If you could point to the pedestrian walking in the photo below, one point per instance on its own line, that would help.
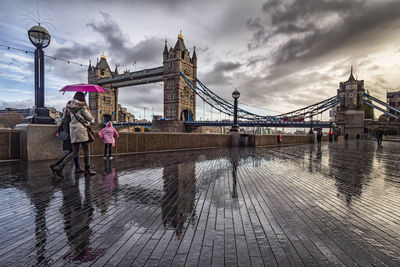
(64, 135)
(330, 136)
(80, 120)
(379, 136)
(108, 134)
(319, 137)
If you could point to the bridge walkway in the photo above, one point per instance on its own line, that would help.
(298, 205)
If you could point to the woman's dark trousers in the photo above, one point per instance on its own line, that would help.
(76, 159)
(75, 153)
(109, 150)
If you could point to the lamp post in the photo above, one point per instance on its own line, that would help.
(40, 38)
(311, 126)
(235, 126)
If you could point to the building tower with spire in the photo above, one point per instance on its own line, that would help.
(350, 115)
(103, 106)
(179, 99)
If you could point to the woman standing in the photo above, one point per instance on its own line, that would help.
(108, 135)
(80, 118)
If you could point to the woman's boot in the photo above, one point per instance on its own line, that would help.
(58, 169)
(88, 171)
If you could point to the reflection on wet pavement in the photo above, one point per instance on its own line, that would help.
(299, 205)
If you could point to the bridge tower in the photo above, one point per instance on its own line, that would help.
(350, 116)
(179, 99)
(103, 106)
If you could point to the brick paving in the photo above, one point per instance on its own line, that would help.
(300, 205)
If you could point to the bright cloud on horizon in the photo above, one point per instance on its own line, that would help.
(282, 55)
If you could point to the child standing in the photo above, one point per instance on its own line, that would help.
(107, 134)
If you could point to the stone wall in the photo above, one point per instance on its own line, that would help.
(9, 144)
(38, 142)
(270, 140)
(150, 142)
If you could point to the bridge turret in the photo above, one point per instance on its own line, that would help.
(350, 116)
(103, 106)
(179, 99)
(194, 61)
(165, 53)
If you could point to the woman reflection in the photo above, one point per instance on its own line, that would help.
(77, 217)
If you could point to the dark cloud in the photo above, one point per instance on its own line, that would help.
(116, 46)
(148, 51)
(220, 73)
(307, 34)
(77, 51)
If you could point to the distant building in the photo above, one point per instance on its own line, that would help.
(24, 112)
(393, 99)
(124, 115)
(157, 117)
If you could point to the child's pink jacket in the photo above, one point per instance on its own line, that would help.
(108, 133)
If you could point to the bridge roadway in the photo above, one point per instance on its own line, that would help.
(292, 124)
(133, 78)
(337, 204)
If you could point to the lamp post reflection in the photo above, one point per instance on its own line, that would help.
(234, 162)
(41, 193)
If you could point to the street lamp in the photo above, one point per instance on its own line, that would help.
(311, 126)
(40, 38)
(235, 126)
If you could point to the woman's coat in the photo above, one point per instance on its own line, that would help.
(77, 130)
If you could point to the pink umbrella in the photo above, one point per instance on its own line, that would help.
(83, 87)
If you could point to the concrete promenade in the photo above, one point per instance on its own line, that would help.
(279, 206)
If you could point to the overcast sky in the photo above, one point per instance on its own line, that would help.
(281, 55)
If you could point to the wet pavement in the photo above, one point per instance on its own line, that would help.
(300, 205)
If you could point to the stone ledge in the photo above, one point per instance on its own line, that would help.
(39, 142)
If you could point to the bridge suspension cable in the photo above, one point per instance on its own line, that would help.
(386, 105)
(226, 107)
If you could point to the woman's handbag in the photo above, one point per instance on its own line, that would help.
(90, 134)
(88, 129)
(63, 136)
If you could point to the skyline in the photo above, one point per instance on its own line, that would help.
(281, 55)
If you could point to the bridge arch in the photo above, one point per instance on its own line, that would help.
(186, 115)
(106, 118)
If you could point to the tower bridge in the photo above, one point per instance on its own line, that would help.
(179, 99)
(181, 86)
